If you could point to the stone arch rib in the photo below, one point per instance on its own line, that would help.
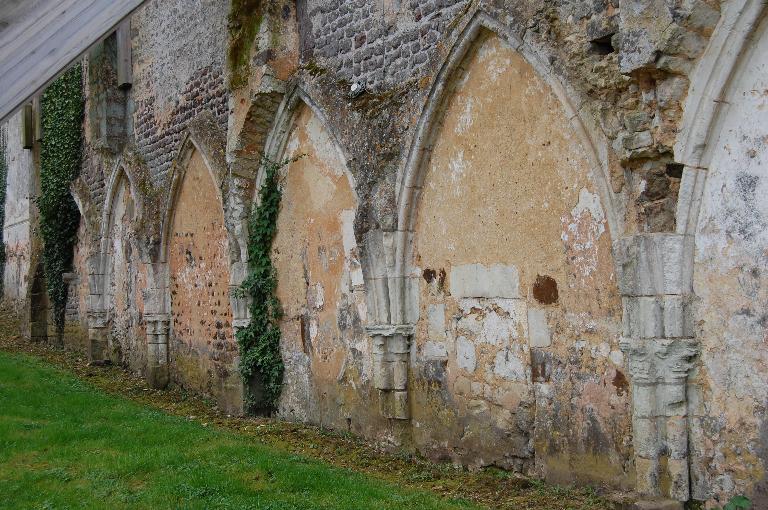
(704, 107)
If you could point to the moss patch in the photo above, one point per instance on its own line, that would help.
(244, 20)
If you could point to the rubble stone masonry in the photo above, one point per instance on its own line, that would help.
(513, 233)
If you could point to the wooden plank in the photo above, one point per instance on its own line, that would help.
(124, 65)
(41, 38)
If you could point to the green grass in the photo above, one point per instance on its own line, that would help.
(64, 444)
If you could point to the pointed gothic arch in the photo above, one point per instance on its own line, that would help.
(403, 316)
(316, 257)
(428, 127)
(295, 98)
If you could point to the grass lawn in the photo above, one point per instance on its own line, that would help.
(65, 444)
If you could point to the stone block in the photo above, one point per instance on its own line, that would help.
(678, 317)
(677, 437)
(466, 356)
(677, 471)
(641, 23)
(382, 373)
(671, 399)
(436, 322)
(476, 280)
(508, 365)
(435, 351)
(400, 405)
(538, 329)
(651, 264)
(637, 140)
(643, 317)
(400, 375)
(637, 121)
(647, 470)
(644, 401)
(645, 437)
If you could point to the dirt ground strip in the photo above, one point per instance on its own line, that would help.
(493, 488)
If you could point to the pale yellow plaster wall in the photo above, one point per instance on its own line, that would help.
(509, 185)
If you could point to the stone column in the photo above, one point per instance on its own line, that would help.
(158, 326)
(96, 309)
(391, 348)
(659, 345)
(158, 322)
(233, 386)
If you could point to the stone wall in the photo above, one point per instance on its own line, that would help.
(19, 216)
(530, 235)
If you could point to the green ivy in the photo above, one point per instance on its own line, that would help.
(259, 342)
(60, 159)
(737, 503)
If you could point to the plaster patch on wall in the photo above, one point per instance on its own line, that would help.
(465, 120)
(324, 147)
(466, 357)
(582, 231)
(508, 364)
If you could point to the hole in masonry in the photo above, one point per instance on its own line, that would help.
(675, 170)
(602, 45)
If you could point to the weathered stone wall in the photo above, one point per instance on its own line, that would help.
(493, 254)
(179, 48)
(19, 220)
(202, 348)
(729, 389)
(519, 310)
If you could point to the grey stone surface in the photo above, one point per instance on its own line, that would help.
(479, 281)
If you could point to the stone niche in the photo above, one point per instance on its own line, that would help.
(320, 280)
(516, 359)
(124, 280)
(202, 348)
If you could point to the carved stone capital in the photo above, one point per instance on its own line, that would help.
(659, 360)
(391, 350)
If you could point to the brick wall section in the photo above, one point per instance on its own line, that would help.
(370, 42)
(158, 143)
(179, 52)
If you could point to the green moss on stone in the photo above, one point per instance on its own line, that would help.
(245, 19)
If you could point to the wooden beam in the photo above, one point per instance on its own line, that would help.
(39, 39)
(124, 69)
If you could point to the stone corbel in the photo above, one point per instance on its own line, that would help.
(391, 347)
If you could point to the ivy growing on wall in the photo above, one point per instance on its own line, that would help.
(60, 158)
(259, 342)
